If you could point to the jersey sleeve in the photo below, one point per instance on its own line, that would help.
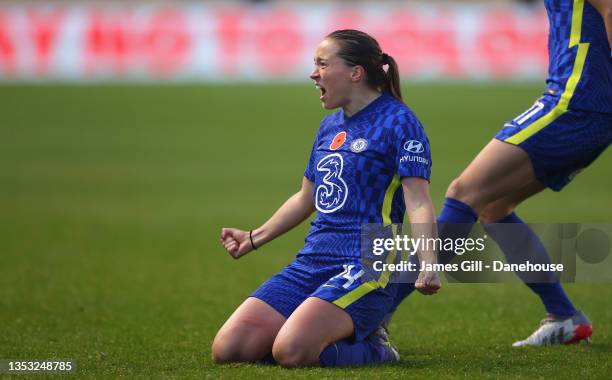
(412, 150)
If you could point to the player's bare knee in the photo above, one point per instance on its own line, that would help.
(467, 193)
(494, 212)
(228, 346)
(224, 351)
(291, 354)
(487, 217)
(458, 189)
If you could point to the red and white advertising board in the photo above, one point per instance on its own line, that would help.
(217, 43)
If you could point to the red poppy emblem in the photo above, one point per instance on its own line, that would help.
(338, 141)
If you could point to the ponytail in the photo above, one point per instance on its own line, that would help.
(392, 79)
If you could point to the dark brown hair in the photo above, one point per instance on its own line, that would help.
(359, 48)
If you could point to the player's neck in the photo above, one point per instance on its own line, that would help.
(359, 101)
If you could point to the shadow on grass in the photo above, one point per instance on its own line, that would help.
(605, 348)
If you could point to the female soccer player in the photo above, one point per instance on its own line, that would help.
(546, 146)
(369, 164)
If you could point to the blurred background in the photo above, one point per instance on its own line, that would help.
(263, 41)
(131, 132)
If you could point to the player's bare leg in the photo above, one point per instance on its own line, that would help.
(314, 325)
(248, 334)
(477, 185)
(552, 329)
(498, 170)
(503, 207)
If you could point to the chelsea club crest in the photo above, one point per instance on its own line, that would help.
(359, 145)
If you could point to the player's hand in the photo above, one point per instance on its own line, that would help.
(428, 283)
(236, 242)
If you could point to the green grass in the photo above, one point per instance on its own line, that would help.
(112, 198)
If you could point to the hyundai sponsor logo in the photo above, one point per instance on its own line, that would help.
(414, 146)
(418, 159)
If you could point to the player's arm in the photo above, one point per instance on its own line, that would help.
(423, 223)
(293, 212)
(604, 7)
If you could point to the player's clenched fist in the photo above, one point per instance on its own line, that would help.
(428, 283)
(236, 242)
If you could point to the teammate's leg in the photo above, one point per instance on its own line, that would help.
(519, 244)
(499, 169)
(501, 208)
(483, 187)
(564, 323)
(248, 334)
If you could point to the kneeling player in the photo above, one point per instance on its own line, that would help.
(319, 310)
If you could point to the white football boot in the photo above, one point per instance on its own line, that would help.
(560, 331)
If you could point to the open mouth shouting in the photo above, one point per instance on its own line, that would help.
(322, 90)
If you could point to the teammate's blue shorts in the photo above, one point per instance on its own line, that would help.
(559, 142)
(334, 279)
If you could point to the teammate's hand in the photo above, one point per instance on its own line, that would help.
(428, 283)
(236, 242)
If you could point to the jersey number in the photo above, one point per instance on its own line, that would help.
(332, 193)
(537, 107)
(350, 278)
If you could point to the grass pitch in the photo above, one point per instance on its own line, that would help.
(112, 199)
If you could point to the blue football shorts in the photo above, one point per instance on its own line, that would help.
(560, 142)
(339, 280)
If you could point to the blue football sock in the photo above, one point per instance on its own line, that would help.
(455, 221)
(455, 211)
(345, 354)
(268, 360)
(519, 244)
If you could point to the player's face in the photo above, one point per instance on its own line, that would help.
(332, 76)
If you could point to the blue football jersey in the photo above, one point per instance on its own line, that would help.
(356, 165)
(580, 66)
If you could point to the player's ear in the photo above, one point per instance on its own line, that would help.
(358, 73)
